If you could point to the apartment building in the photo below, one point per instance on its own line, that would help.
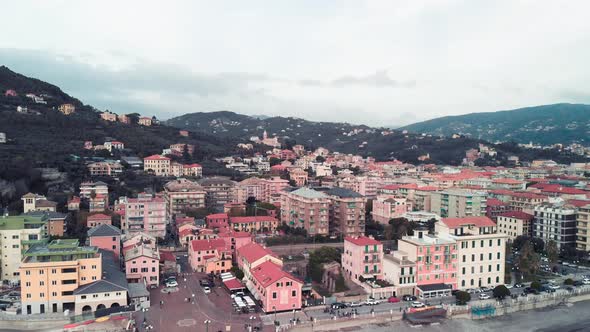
(346, 213)
(276, 289)
(583, 228)
(258, 224)
(436, 262)
(97, 219)
(306, 208)
(66, 109)
(253, 254)
(387, 207)
(481, 250)
(458, 203)
(50, 273)
(400, 271)
(183, 195)
(142, 264)
(17, 235)
(264, 190)
(362, 257)
(56, 221)
(144, 214)
(515, 224)
(526, 201)
(219, 192)
(157, 164)
(210, 256)
(106, 237)
(34, 202)
(555, 222)
(105, 168)
(495, 207)
(89, 189)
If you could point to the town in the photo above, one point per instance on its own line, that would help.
(298, 238)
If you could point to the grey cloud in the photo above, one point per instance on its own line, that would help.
(378, 79)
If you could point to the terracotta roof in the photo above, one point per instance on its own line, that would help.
(495, 202)
(99, 216)
(268, 273)
(477, 221)
(167, 256)
(185, 232)
(210, 244)
(362, 241)
(253, 252)
(578, 202)
(391, 187)
(528, 195)
(217, 216)
(517, 215)
(156, 157)
(191, 166)
(241, 220)
(233, 284)
(501, 192)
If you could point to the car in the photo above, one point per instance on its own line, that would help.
(206, 289)
(355, 304)
(418, 304)
(471, 291)
(371, 302)
(554, 286)
(510, 286)
(578, 283)
(204, 282)
(569, 288)
(171, 283)
(484, 296)
(393, 299)
(487, 289)
(547, 290)
(586, 281)
(409, 298)
(518, 285)
(338, 305)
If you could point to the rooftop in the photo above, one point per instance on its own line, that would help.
(22, 222)
(59, 251)
(308, 193)
(104, 230)
(517, 215)
(465, 221)
(362, 241)
(254, 251)
(340, 192)
(268, 273)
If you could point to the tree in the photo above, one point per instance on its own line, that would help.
(320, 159)
(317, 258)
(568, 281)
(462, 297)
(536, 285)
(237, 272)
(552, 252)
(529, 260)
(274, 161)
(501, 291)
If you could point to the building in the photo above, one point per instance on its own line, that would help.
(481, 250)
(98, 203)
(67, 109)
(108, 116)
(51, 273)
(362, 259)
(387, 207)
(145, 121)
(210, 256)
(218, 221)
(264, 190)
(74, 204)
(525, 201)
(346, 212)
(400, 271)
(495, 207)
(98, 219)
(219, 192)
(298, 176)
(159, 165)
(106, 237)
(436, 262)
(145, 214)
(17, 235)
(87, 189)
(105, 168)
(583, 228)
(555, 222)
(306, 208)
(515, 224)
(458, 203)
(35, 202)
(114, 145)
(56, 221)
(254, 224)
(124, 119)
(194, 170)
(183, 195)
(276, 289)
(253, 254)
(142, 265)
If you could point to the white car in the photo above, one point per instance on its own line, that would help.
(355, 304)
(484, 296)
(371, 302)
(553, 286)
(171, 283)
(586, 281)
(418, 304)
(207, 290)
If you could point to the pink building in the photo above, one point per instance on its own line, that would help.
(387, 207)
(236, 240)
(98, 219)
(275, 288)
(106, 237)
(306, 208)
(252, 255)
(218, 220)
(142, 265)
(10, 93)
(210, 256)
(362, 257)
(436, 262)
(145, 214)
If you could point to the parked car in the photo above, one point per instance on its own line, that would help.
(371, 302)
(586, 281)
(204, 282)
(355, 304)
(418, 304)
(171, 283)
(484, 296)
(409, 298)
(554, 286)
(338, 305)
(393, 299)
(206, 289)
(518, 285)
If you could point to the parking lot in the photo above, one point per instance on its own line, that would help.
(178, 314)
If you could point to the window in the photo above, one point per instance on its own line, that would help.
(274, 295)
(93, 277)
(41, 294)
(53, 293)
(83, 297)
(41, 271)
(28, 296)
(94, 267)
(28, 284)
(41, 283)
(481, 257)
(53, 271)
(463, 270)
(294, 293)
(28, 272)
(53, 282)
(133, 270)
(83, 267)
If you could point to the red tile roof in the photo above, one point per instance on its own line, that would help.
(501, 192)
(268, 273)
(167, 256)
(428, 188)
(555, 188)
(477, 221)
(578, 202)
(362, 241)
(99, 216)
(191, 166)
(241, 220)
(217, 216)
(210, 244)
(233, 284)
(391, 187)
(156, 157)
(528, 195)
(495, 202)
(517, 215)
(253, 252)
(185, 232)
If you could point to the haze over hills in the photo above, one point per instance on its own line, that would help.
(547, 124)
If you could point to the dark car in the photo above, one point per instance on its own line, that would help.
(338, 305)
(409, 298)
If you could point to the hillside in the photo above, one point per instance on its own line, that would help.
(381, 143)
(548, 124)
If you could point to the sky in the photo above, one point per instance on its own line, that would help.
(381, 63)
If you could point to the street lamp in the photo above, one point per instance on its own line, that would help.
(207, 322)
(275, 310)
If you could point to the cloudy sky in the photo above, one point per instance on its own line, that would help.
(385, 63)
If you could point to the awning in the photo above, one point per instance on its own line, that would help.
(233, 284)
(434, 287)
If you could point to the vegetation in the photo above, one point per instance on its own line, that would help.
(529, 260)
(462, 297)
(237, 272)
(568, 281)
(501, 291)
(536, 285)
(319, 257)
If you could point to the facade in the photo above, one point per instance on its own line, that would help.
(98, 219)
(157, 164)
(56, 221)
(515, 224)
(210, 256)
(526, 201)
(387, 207)
(347, 212)
(34, 202)
(142, 265)
(105, 169)
(583, 228)
(145, 214)
(254, 224)
(51, 273)
(183, 195)
(108, 116)
(17, 235)
(400, 271)
(495, 207)
(276, 289)
(306, 208)
(66, 109)
(219, 192)
(145, 121)
(555, 222)
(458, 203)
(253, 254)
(481, 250)
(362, 257)
(218, 221)
(261, 189)
(106, 237)
(98, 188)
